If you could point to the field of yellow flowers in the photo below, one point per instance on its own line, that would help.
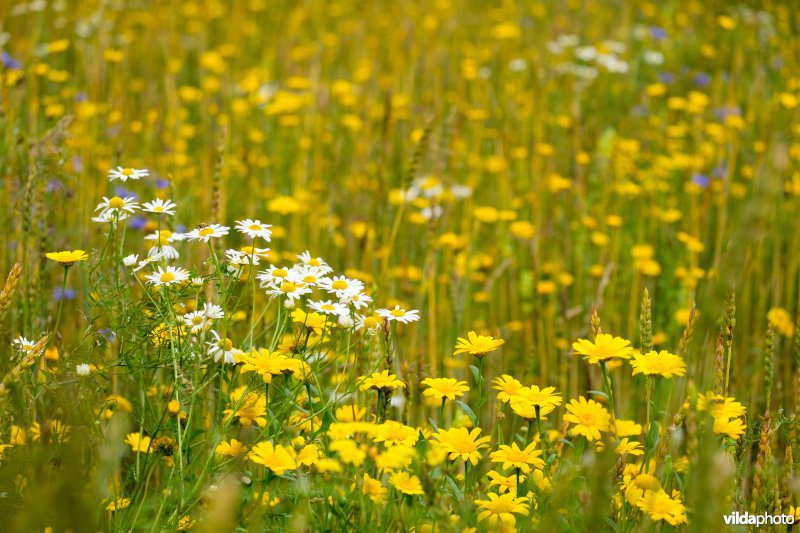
(350, 265)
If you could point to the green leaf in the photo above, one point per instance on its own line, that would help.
(476, 374)
(454, 488)
(470, 413)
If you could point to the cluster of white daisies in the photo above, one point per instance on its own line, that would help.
(341, 298)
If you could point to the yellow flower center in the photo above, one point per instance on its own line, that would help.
(398, 312)
(280, 273)
(197, 320)
(166, 277)
(328, 307)
(158, 209)
(127, 171)
(116, 202)
(313, 262)
(254, 227)
(339, 285)
(288, 286)
(309, 279)
(370, 322)
(227, 345)
(206, 231)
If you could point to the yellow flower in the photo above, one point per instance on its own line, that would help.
(504, 483)
(627, 428)
(308, 455)
(660, 506)
(501, 508)
(119, 503)
(406, 484)
(266, 364)
(461, 443)
(380, 381)
(477, 345)
(276, 458)
(521, 459)
(68, 258)
(589, 417)
(546, 397)
(635, 487)
(441, 388)
(374, 489)
(731, 427)
(234, 448)
(603, 348)
(629, 447)
(247, 407)
(507, 387)
(393, 433)
(662, 364)
(138, 442)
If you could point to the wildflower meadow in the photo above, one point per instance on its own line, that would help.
(363, 265)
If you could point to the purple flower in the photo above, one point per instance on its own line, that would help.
(69, 294)
(161, 183)
(137, 223)
(10, 62)
(701, 79)
(701, 180)
(658, 33)
(666, 77)
(77, 164)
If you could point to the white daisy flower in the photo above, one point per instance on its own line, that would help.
(213, 311)
(117, 206)
(170, 276)
(254, 228)
(328, 307)
(147, 260)
(370, 324)
(207, 231)
(273, 275)
(399, 314)
(358, 300)
(341, 286)
(306, 258)
(160, 207)
(83, 369)
(130, 260)
(22, 344)
(124, 174)
(292, 291)
(197, 321)
(307, 274)
(238, 260)
(165, 251)
(346, 321)
(222, 349)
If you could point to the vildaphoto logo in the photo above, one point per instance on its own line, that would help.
(747, 519)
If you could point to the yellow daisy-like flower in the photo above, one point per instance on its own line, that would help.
(629, 447)
(662, 364)
(627, 428)
(266, 364)
(521, 459)
(380, 381)
(603, 348)
(477, 345)
(501, 508)
(444, 388)
(590, 418)
(406, 484)
(276, 458)
(504, 483)
(374, 489)
(234, 448)
(68, 258)
(731, 427)
(540, 397)
(635, 486)
(393, 433)
(660, 506)
(138, 442)
(461, 443)
(507, 387)
(247, 407)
